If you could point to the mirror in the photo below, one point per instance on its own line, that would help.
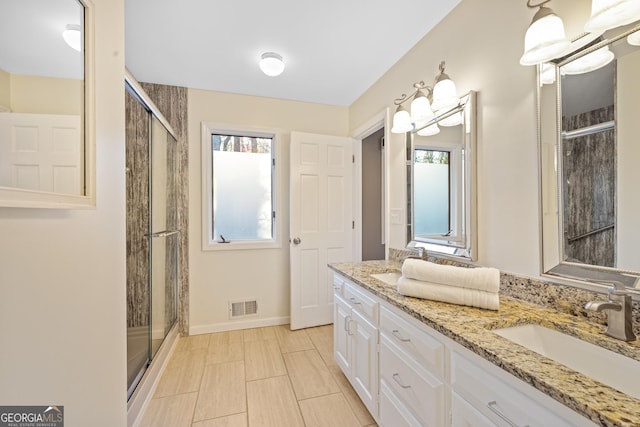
(441, 182)
(589, 148)
(46, 114)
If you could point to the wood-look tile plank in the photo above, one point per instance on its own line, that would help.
(309, 375)
(291, 341)
(236, 420)
(271, 403)
(222, 391)
(226, 347)
(183, 373)
(263, 359)
(170, 411)
(361, 412)
(259, 334)
(193, 342)
(322, 339)
(328, 411)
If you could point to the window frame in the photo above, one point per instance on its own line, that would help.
(208, 242)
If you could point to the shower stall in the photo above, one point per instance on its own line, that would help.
(152, 232)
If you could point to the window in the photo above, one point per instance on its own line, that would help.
(239, 209)
(432, 192)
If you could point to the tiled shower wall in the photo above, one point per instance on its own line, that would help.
(589, 177)
(172, 103)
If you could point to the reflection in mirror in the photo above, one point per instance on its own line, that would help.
(588, 158)
(441, 183)
(44, 151)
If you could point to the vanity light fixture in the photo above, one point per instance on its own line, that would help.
(547, 73)
(72, 35)
(545, 38)
(634, 38)
(589, 62)
(271, 64)
(423, 110)
(607, 14)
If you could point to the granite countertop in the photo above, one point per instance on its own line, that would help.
(471, 327)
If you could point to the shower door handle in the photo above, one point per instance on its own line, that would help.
(165, 233)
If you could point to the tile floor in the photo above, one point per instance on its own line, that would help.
(264, 377)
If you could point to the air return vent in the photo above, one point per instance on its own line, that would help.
(243, 308)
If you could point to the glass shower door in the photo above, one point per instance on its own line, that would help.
(163, 234)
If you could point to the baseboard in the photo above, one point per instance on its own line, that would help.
(238, 324)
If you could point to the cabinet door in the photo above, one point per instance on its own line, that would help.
(365, 361)
(341, 337)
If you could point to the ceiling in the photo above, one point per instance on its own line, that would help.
(334, 50)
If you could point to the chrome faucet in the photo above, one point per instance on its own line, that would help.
(619, 319)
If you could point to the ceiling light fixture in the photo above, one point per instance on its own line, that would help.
(545, 38)
(72, 35)
(426, 103)
(271, 64)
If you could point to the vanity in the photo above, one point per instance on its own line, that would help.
(418, 362)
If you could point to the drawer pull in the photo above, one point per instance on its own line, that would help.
(493, 406)
(396, 334)
(396, 378)
(346, 323)
(354, 301)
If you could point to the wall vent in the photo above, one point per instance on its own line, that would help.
(243, 308)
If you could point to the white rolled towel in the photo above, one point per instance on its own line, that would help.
(481, 278)
(450, 294)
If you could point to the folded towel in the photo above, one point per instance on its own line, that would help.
(450, 294)
(481, 278)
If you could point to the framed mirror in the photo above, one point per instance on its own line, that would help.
(46, 104)
(441, 182)
(588, 150)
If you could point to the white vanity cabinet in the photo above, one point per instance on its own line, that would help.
(409, 375)
(412, 372)
(356, 340)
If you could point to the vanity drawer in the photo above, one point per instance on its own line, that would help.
(338, 284)
(496, 399)
(392, 412)
(361, 302)
(423, 393)
(465, 415)
(428, 351)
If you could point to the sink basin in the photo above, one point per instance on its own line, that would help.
(389, 278)
(603, 365)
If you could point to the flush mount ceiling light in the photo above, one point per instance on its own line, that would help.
(589, 62)
(545, 38)
(426, 103)
(607, 14)
(72, 35)
(271, 64)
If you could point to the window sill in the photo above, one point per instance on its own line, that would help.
(241, 245)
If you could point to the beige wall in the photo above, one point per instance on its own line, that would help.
(62, 274)
(5, 91)
(481, 43)
(217, 277)
(46, 95)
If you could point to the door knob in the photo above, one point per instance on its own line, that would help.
(296, 240)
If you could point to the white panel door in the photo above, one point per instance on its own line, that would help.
(41, 152)
(321, 218)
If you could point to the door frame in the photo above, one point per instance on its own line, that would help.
(373, 124)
